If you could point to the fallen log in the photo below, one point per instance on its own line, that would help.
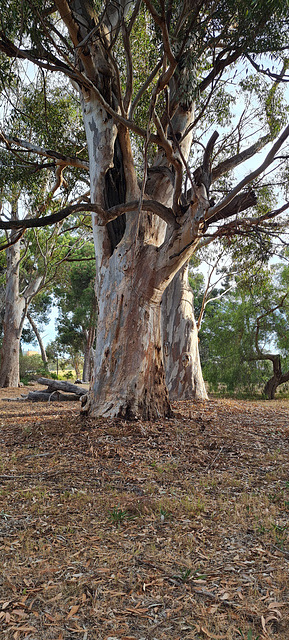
(54, 392)
(61, 385)
(51, 396)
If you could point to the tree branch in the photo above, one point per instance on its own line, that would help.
(153, 206)
(144, 87)
(166, 213)
(250, 177)
(29, 223)
(241, 202)
(279, 77)
(82, 80)
(219, 66)
(12, 241)
(238, 158)
(240, 225)
(59, 158)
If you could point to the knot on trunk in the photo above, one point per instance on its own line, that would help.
(85, 401)
(186, 359)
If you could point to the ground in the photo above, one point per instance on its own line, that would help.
(170, 530)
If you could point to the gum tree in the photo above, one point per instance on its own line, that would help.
(77, 305)
(35, 259)
(245, 333)
(33, 265)
(146, 230)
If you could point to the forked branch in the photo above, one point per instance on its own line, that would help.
(212, 211)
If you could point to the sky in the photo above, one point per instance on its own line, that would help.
(47, 335)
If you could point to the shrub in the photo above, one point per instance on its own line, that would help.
(31, 367)
(68, 375)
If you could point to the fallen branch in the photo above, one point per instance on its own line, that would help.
(52, 396)
(61, 385)
(53, 392)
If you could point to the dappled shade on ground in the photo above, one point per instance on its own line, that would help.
(130, 530)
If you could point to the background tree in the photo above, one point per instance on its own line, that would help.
(244, 336)
(144, 234)
(76, 301)
(33, 261)
(34, 264)
(38, 317)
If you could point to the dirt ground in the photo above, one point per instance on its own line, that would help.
(115, 530)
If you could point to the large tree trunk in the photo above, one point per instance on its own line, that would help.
(180, 341)
(129, 378)
(13, 321)
(135, 257)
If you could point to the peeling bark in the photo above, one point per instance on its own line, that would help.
(133, 269)
(137, 255)
(129, 379)
(180, 341)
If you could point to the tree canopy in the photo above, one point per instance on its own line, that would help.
(244, 333)
(206, 56)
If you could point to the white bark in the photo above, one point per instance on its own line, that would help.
(180, 341)
(16, 307)
(129, 376)
(13, 321)
(129, 379)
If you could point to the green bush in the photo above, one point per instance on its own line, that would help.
(31, 367)
(68, 375)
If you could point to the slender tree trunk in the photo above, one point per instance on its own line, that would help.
(86, 373)
(180, 341)
(16, 307)
(88, 355)
(13, 321)
(76, 366)
(39, 340)
(89, 341)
